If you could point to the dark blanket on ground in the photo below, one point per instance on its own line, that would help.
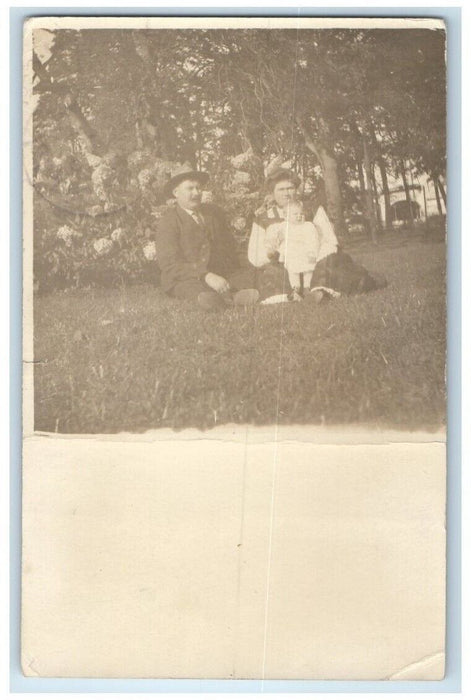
(341, 273)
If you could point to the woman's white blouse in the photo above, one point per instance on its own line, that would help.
(257, 251)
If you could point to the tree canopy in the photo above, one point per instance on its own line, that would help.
(117, 108)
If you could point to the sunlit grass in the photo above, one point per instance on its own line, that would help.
(132, 359)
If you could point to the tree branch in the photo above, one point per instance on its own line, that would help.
(309, 141)
(77, 118)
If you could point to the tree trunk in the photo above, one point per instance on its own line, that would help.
(303, 170)
(82, 127)
(150, 134)
(442, 190)
(328, 164)
(437, 197)
(370, 208)
(386, 193)
(375, 197)
(79, 122)
(255, 138)
(361, 179)
(384, 178)
(410, 216)
(273, 165)
(332, 191)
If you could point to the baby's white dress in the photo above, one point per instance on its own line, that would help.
(298, 244)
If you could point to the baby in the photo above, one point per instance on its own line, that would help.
(295, 242)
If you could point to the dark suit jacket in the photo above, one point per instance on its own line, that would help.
(186, 250)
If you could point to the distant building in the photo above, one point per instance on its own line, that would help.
(423, 200)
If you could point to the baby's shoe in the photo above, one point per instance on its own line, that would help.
(295, 294)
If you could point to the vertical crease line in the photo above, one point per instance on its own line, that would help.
(240, 543)
(275, 453)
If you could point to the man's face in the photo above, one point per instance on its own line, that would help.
(188, 194)
(284, 192)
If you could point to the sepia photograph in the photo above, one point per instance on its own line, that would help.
(234, 457)
(238, 226)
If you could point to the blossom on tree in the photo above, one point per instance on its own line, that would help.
(144, 178)
(118, 235)
(103, 246)
(149, 251)
(67, 234)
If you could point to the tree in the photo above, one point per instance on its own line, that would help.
(318, 98)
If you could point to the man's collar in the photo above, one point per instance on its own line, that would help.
(191, 212)
(196, 215)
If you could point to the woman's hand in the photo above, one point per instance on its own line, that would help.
(273, 255)
(216, 282)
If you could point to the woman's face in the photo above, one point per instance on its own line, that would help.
(284, 192)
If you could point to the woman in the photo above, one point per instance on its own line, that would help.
(335, 272)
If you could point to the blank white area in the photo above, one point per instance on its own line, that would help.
(152, 560)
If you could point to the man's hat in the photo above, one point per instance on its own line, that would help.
(279, 175)
(182, 173)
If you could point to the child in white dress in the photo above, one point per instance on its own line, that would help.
(296, 243)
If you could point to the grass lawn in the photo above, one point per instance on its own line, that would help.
(132, 359)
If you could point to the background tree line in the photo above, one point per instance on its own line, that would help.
(116, 109)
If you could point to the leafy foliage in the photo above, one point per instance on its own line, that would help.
(116, 111)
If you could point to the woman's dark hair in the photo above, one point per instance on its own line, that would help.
(280, 175)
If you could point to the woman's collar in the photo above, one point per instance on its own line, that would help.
(275, 212)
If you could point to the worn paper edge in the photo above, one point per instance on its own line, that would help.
(236, 22)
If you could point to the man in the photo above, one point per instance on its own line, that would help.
(196, 252)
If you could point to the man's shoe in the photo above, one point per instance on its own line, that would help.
(381, 281)
(246, 297)
(210, 301)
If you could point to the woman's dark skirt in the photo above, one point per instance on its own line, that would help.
(340, 273)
